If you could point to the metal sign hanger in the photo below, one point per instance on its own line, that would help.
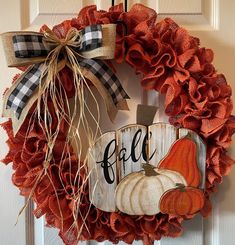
(125, 4)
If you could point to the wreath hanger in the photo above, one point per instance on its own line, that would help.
(125, 4)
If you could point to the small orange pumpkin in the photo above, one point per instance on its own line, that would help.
(182, 201)
(182, 158)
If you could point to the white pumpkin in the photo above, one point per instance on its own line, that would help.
(139, 193)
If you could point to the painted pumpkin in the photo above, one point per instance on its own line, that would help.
(139, 193)
(182, 158)
(182, 201)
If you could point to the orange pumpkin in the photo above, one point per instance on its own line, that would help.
(182, 201)
(182, 158)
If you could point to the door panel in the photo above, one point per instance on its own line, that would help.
(11, 202)
(208, 19)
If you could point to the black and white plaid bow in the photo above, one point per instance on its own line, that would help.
(31, 46)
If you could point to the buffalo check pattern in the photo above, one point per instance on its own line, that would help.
(107, 77)
(28, 46)
(25, 88)
(91, 38)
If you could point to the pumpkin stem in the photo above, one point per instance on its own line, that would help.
(189, 136)
(149, 170)
(180, 186)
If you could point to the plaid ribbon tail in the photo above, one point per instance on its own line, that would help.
(27, 84)
(109, 81)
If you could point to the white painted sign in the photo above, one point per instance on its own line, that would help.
(117, 154)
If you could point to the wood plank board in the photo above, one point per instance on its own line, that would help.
(161, 137)
(102, 170)
(130, 144)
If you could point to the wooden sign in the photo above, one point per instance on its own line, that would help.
(118, 154)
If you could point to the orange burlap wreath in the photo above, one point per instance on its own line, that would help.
(197, 97)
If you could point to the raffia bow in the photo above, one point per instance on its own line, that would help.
(72, 39)
(47, 55)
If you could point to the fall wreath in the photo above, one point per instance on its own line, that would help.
(171, 62)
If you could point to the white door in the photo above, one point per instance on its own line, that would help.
(211, 20)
